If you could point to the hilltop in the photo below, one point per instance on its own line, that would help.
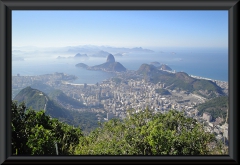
(156, 64)
(40, 101)
(165, 67)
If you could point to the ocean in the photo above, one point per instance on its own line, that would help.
(212, 64)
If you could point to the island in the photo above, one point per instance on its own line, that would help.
(80, 55)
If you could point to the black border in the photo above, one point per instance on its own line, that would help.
(6, 6)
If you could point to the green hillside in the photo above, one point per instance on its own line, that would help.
(61, 97)
(32, 98)
(36, 133)
(36, 100)
(180, 81)
(217, 107)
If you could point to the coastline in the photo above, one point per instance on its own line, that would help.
(199, 77)
(68, 83)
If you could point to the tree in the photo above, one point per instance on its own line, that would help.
(143, 133)
(42, 142)
(19, 138)
(146, 134)
(35, 133)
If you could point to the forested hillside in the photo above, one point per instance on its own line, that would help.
(217, 107)
(62, 98)
(181, 81)
(38, 101)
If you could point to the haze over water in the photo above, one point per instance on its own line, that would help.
(211, 64)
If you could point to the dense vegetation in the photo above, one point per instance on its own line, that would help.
(35, 133)
(217, 107)
(56, 111)
(88, 121)
(147, 134)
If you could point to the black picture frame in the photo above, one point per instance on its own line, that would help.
(6, 7)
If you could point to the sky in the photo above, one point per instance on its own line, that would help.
(145, 29)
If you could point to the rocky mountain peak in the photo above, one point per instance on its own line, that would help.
(110, 58)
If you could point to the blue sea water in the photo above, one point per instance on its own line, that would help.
(212, 65)
(32, 67)
(208, 65)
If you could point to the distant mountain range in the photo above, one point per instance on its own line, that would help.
(78, 55)
(69, 51)
(110, 65)
(100, 54)
(101, 51)
(118, 54)
(92, 50)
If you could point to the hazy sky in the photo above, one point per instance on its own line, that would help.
(121, 28)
